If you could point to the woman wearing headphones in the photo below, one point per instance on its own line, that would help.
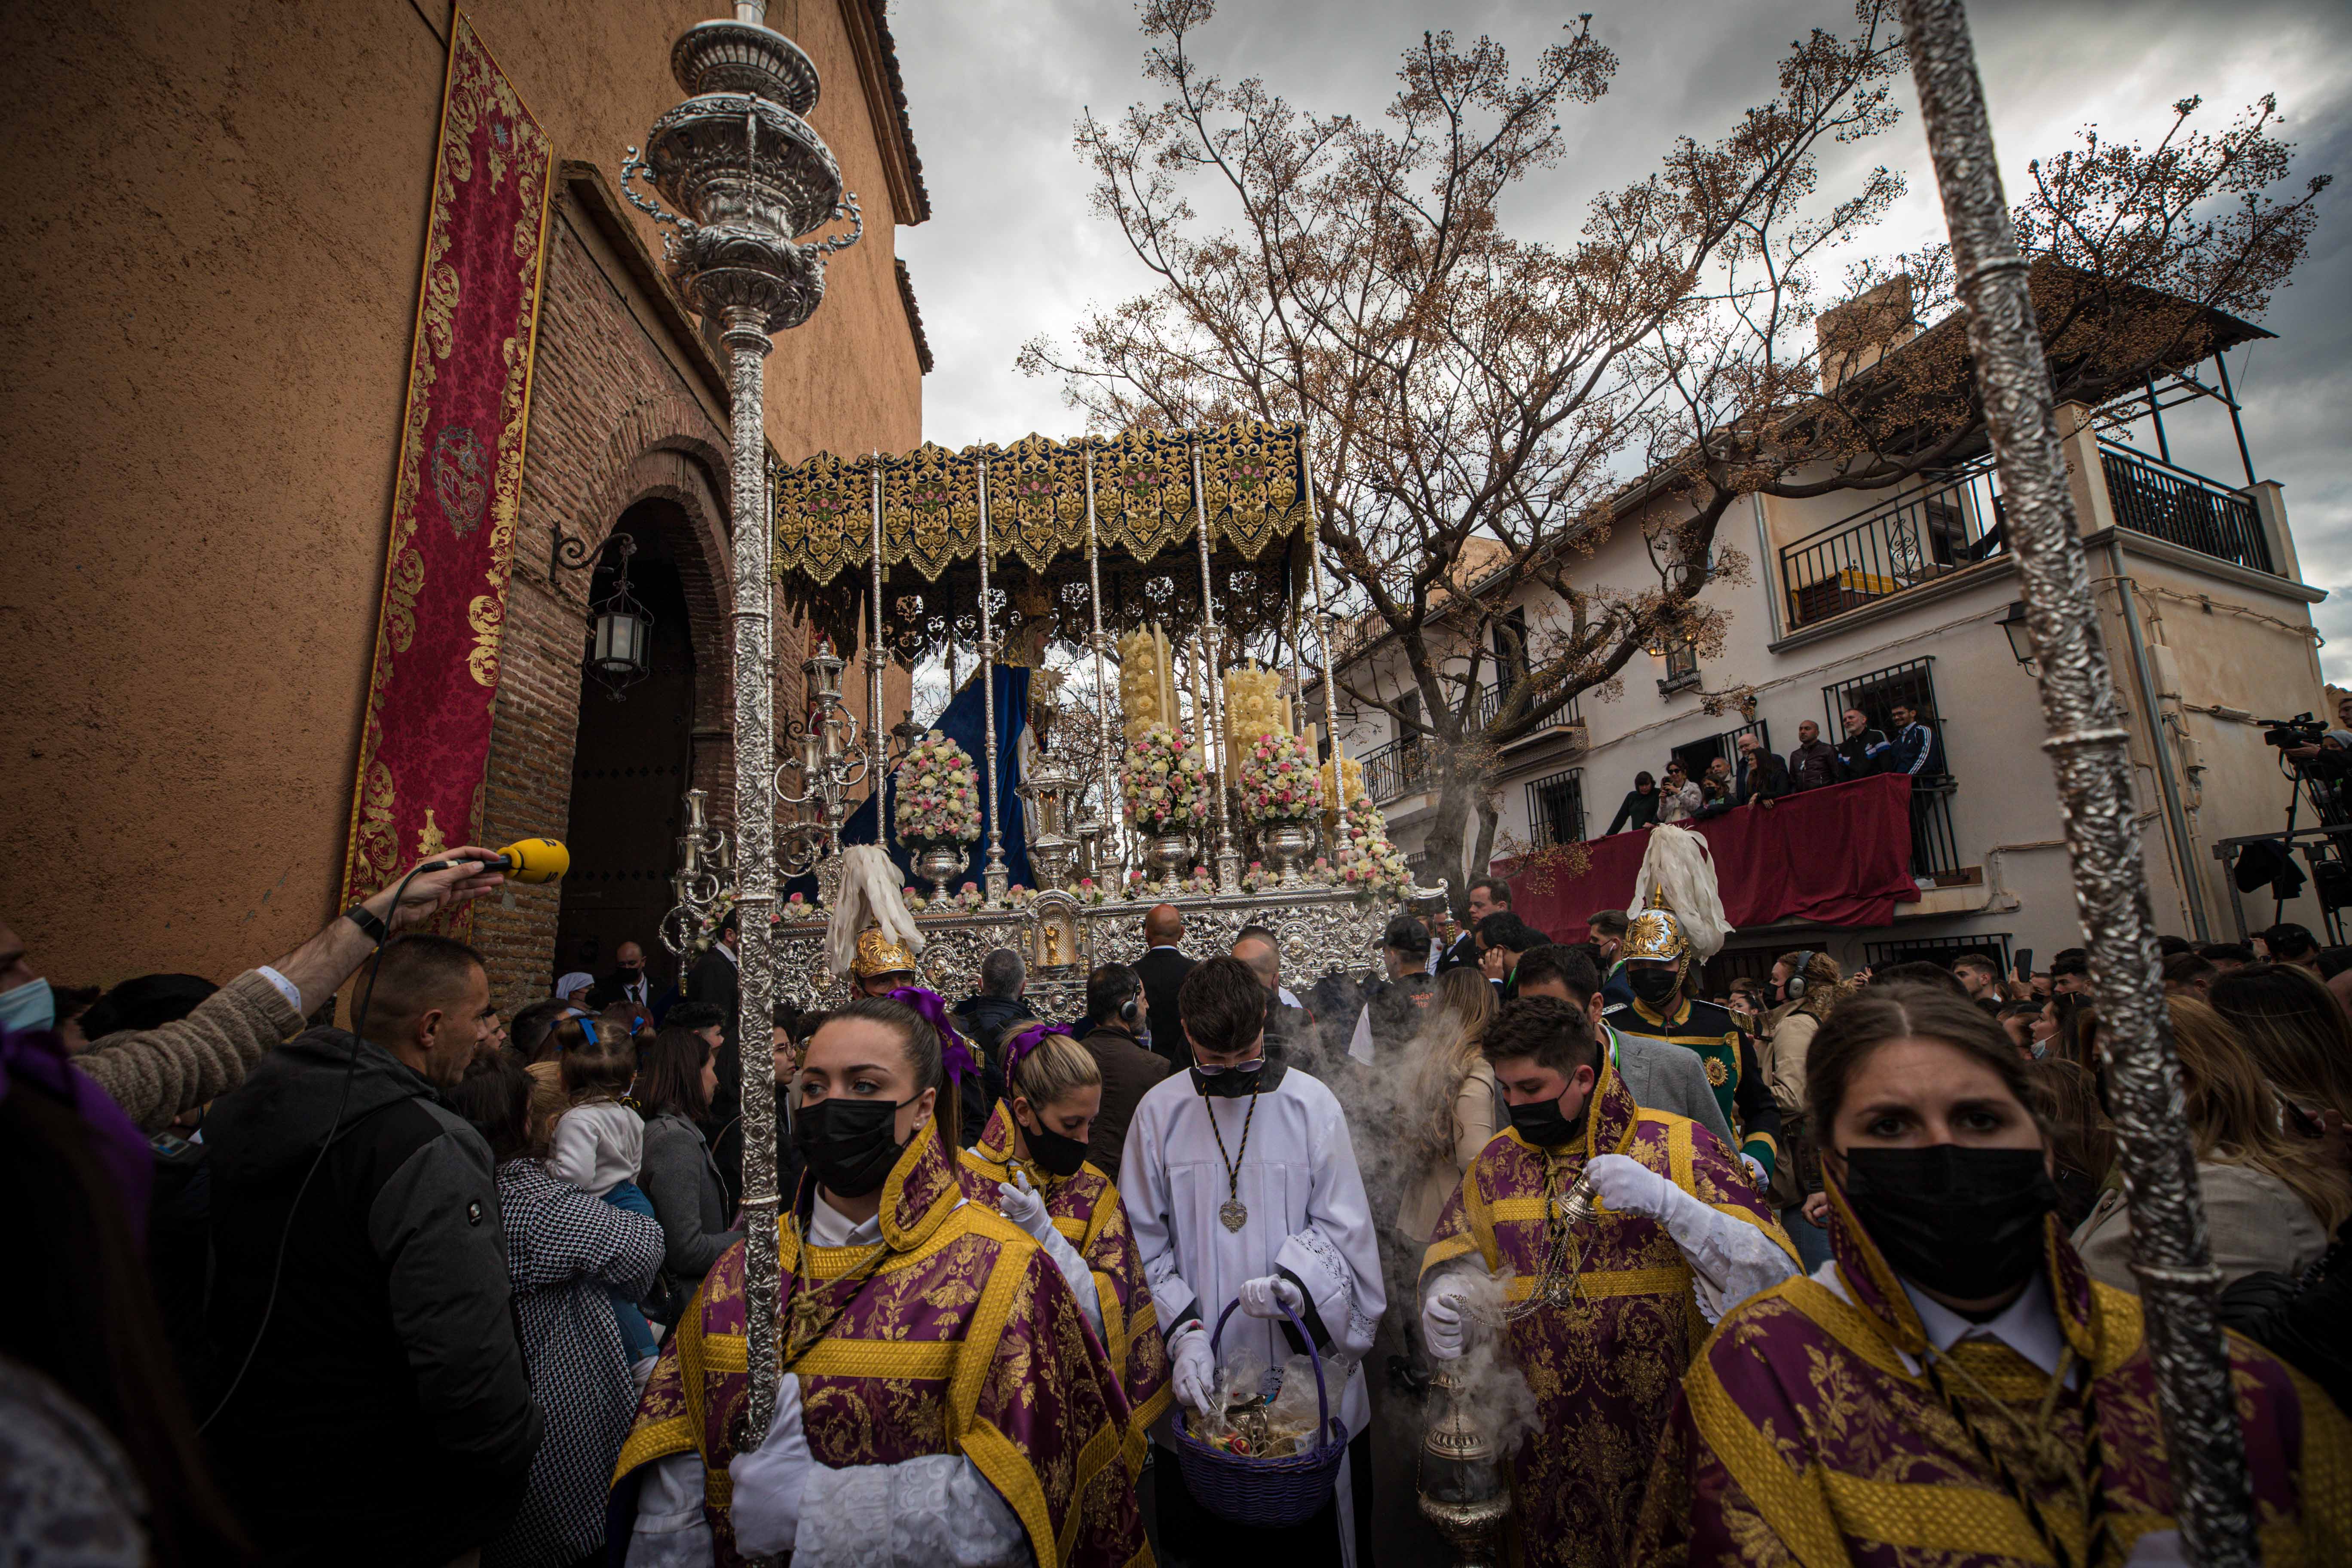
(1031, 1165)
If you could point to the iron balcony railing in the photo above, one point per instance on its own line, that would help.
(1892, 547)
(2156, 498)
(1398, 768)
(1935, 847)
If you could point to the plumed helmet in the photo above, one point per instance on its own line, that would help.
(877, 954)
(1655, 936)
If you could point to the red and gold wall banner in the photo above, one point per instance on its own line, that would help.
(426, 749)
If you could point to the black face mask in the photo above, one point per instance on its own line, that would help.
(1962, 1222)
(1543, 1125)
(1228, 1083)
(1654, 986)
(847, 1144)
(1056, 1155)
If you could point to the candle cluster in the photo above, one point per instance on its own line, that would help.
(1255, 706)
(1147, 691)
(1348, 789)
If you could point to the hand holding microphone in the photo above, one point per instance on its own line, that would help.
(468, 872)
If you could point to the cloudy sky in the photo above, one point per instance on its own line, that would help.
(1013, 250)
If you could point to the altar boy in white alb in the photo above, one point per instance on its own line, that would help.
(1241, 1183)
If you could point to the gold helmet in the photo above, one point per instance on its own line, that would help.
(877, 954)
(1655, 936)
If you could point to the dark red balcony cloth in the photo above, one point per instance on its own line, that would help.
(1835, 856)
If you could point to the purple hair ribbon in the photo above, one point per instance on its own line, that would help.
(1028, 1040)
(953, 1052)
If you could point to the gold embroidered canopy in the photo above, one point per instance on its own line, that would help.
(1251, 486)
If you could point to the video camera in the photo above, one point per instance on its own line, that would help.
(2302, 729)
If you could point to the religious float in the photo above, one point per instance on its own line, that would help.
(1024, 821)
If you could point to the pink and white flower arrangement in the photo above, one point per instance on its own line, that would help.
(1368, 862)
(1278, 778)
(1165, 785)
(938, 794)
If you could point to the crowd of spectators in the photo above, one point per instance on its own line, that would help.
(274, 1258)
(1758, 776)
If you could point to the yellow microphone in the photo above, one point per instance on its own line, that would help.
(536, 860)
(526, 860)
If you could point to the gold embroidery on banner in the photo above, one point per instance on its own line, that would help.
(428, 837)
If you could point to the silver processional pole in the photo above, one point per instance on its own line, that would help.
(2088, 747)
(744, 175)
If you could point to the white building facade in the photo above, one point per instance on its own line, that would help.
(1872, 600)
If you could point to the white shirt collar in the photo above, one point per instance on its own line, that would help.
(1163, 947)
(2028, 1325)
(730, 952)
(828, 1226)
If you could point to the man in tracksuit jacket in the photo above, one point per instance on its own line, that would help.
(385, 1415)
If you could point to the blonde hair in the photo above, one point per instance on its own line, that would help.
(1051, 1072)
(548, 1102)
(2233, 1113)
(1441, 1056)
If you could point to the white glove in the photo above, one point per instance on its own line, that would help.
(1023, 1204)
(1266, 1296)
(1441, 1321)
(1194, 1368)
(771, 1480)
(1629, 1186)
(1756, 1171)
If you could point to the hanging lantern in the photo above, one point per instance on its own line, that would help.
(621, 651)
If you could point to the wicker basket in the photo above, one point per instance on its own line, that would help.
(1266, 1494)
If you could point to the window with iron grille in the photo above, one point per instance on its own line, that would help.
(1939, 949)
(1556, 809)
(1911, 684)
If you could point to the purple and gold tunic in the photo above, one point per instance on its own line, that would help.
(1085, 1208)
(964, 1339)
(1810, 1431)
(1604, 1354)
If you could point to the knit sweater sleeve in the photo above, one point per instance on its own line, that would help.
(156, 1074)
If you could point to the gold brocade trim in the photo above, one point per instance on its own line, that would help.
(1251, 478)
(1446, 1251)
(903, 1234)
(1949, 1515)
(1519, 1211)
(1100, 1450)
(1008, 1469)
(1145, 1416)
(1767, 1140)
(1909, 1335)
(1794, 1506)
(1859, 1332)
(657, 1441)
(895, 1359)
(828, 1263)
(1682, 1153)
(2115, 1321)
(717, 1487)
(1598, 1283)
(988, 1315)
(1478, 1210)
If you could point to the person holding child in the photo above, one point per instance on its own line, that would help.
(598, 1144)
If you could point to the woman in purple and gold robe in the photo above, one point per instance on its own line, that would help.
(1031, 1165)
(1602, 1315)
(943, 1400)
(1952, 1388)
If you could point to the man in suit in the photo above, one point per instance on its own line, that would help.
(628, 982)
(1290, 1030)
(1659, 1075)
(717, 980)
(1488, 895)
(1162, 969)
(1121, 1009)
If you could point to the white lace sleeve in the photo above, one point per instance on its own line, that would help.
(670, 1531)
(1064, 1256)
(922, 1513)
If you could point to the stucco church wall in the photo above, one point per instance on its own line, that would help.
(213, 265)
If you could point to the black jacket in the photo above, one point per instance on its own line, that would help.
(1859, 756)
(1636, 810)
(386, 1416)
(614, 988)
(1397, 1008)
(1163, 971)
(1813, 766)
(1129, 1073)
(1767, 779)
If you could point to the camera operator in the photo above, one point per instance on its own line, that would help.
(2315, 751)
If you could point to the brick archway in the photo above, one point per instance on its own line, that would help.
(661, 447)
